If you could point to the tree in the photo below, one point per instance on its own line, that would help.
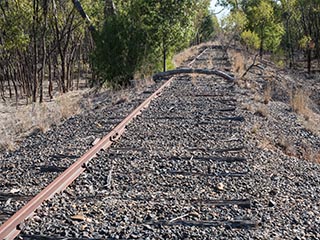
(281, 23)
(263, 21)
(142, 32)
(42, 40)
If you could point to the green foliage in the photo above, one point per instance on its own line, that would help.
(273, 36)
(262, 20)
(15, 23)
(235, 22)
(144, 33)
(256, 20)
(119, 50)
(251, 39)
(304, 42)
(208, 28)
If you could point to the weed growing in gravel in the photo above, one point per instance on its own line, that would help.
(287, 146)
(312, 123)
(194, 79)
(300, 104)
(67, 106)
(299, 101)
(239, 65)
(6, 142)
(247, 107)
(317, 158)
(267, 93)
(262, 111)
(255, 128)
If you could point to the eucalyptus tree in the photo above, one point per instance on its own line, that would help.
(141, 33)
(290, 25)
(42, 40)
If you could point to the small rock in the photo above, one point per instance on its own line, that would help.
(14, 190)
(273, 192)
(78, 217)
(220, 186)
(194, 214)
(272, 203)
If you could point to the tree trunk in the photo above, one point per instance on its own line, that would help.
(309, 60)
(44, 49)
(35, 50)
(109, 8)
(164, 53)
(14, 83)
(63, 74)
(50, 87)
(83, 14)
(79, 66)
(9, 85)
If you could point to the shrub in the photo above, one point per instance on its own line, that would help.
(251, 39)
(119, 51)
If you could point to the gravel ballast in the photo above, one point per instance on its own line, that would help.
(195, 164)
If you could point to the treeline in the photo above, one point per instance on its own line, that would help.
(142, 36)
(287, 27)
(43, 43)
(48, 44)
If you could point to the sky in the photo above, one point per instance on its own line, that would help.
(218, 9)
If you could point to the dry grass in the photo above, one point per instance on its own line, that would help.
(255, 128)
(194, 79)
(317, 158)
(312, 123)
(239, 64)
(287, 146)
(262, 111)
(17, 123)
(267, 93)
(299, 102)
(247, 107)
(265, 144)
(181, 58)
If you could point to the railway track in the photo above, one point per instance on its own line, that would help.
(183, 168)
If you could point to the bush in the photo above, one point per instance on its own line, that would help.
(251, 39)
(119, 51)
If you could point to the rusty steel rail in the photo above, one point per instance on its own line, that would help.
(12, 227)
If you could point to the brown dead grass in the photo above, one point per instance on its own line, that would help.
(239, 64)
(262, 111)
(181, 58)
(247, 107)
(194, 80)
(266, 144)
(255, 128)
(16, 123)
(267, 94)
(312, 123)
(317, 158)
(299, 102)
(287, 146)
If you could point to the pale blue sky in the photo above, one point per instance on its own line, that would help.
(218, 10)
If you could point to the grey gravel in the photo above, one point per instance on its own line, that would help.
(163, 178)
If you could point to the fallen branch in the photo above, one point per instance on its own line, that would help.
(226, 76)
(251, 66)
